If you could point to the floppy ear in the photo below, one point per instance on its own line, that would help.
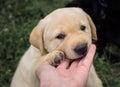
(93, 28)
(36, 38)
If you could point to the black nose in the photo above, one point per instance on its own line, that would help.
(81, 49)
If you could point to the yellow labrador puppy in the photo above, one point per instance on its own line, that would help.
(64, 33)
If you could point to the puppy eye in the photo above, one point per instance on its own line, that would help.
(82, 27)
(60, 36)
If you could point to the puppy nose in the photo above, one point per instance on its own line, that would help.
(81, 49)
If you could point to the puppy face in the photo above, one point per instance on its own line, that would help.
(68, 29)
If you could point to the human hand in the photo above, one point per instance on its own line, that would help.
(63, 76)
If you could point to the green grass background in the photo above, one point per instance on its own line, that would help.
(17, 19)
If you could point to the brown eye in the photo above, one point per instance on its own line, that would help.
(60, 36)
(82, 27)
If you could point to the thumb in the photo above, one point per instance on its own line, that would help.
(85, 64)
(87, 60)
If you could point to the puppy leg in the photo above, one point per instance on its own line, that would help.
(93, 79)
(54, 58)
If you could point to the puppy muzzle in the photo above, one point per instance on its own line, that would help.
(81, 50)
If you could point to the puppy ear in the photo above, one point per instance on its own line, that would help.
(93, 28)
(36, 37)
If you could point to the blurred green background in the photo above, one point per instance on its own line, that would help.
(18, 18)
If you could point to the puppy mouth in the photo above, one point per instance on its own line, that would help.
(77, 58)
(83, 55)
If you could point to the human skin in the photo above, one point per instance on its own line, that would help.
(63, 76)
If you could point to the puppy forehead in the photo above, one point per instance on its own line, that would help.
(66, 15)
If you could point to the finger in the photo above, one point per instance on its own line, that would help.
(74, 64)
(87, 60)
(64, 64)
(84, 65)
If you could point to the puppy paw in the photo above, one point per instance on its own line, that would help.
(57, 57)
